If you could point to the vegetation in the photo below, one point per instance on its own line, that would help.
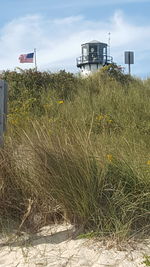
(77, 150)
(146, 260)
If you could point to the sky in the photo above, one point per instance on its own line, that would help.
(57, 28)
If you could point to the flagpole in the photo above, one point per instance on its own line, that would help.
(35, 59)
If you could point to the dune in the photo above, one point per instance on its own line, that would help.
(56, 246)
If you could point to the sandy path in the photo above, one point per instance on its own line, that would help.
(54, 247)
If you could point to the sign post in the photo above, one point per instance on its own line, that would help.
(129, 59)
(3, 109)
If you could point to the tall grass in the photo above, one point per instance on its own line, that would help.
(84, 158)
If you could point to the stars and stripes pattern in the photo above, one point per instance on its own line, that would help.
(26, 58)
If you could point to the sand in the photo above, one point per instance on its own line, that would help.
(54, 246)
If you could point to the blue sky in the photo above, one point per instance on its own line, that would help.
(57, 28)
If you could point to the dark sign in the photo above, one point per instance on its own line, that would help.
(129, 57)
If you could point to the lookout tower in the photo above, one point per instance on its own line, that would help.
(94, 56)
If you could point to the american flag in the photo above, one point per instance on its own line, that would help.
(26, 58)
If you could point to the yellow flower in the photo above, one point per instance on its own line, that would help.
(148, 162)
(109, 121)
(99, 117)
(60, 102)
(109, 157)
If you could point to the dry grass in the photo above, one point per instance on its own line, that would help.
(83, 159)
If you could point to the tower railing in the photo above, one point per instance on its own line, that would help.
(94, 58)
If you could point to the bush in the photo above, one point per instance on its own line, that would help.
(114, 71)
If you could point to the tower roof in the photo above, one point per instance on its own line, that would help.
(94, 42)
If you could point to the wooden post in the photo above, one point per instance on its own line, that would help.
(35, 60)
(3, 110)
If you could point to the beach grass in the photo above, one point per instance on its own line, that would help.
(77, 150)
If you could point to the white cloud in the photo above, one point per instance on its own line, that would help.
(58, 41)
(68, 20)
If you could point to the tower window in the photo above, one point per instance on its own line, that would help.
(84, 51)
(104, 51)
